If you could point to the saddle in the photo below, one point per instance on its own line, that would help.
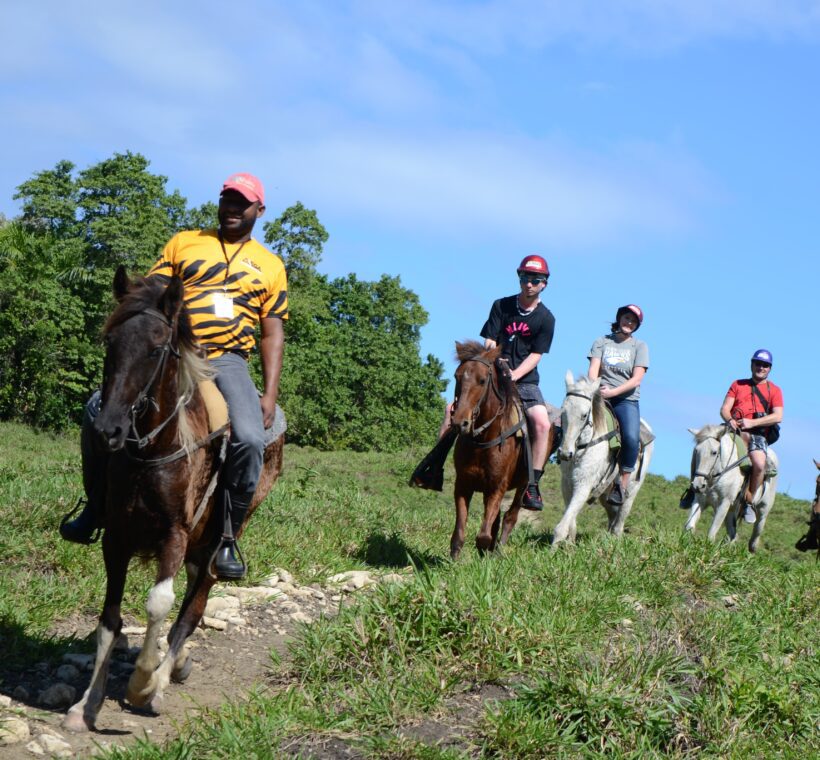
(614, 431)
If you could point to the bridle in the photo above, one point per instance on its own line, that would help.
(477, 431)
(588, 423)
(144, 398)
(710, 477)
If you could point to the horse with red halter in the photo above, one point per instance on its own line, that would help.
(161, 472)
(490, 454)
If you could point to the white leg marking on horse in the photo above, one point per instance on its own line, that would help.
(161, 599)
(82, 716)
(142, 684)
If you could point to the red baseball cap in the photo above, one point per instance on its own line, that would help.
(535, 264)
(247, 185)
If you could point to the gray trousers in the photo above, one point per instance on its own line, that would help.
(247, 445)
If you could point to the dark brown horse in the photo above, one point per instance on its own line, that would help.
(161, 471)
(490, 457)
(811, 541)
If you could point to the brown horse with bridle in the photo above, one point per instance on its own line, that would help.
(811, 541)
(490, 454)
(162, 465)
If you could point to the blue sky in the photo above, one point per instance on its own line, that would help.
(662, 152)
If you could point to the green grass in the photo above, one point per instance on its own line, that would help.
(656, 645)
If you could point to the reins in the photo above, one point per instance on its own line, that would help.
(710, 477)
(144, 399)
(593, 441)
(498, 440)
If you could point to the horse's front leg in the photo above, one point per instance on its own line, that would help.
(724, 515)
(83, 715)
(511, 517)
(566, 528)
(694, 513)
(488, 532)
(462, 497)
(149, 679)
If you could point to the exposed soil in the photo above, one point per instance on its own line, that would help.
(227, 664)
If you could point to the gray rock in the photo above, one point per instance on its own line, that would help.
(58, 695)
(67, 673)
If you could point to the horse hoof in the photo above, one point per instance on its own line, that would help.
(138, 699)
(76, 723)
(180, 675)
(157, 703)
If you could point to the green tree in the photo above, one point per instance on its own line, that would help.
(298, 237)
(46, 359)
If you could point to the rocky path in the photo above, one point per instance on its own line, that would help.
(231, 654)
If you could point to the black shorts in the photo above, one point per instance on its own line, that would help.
(530, 395)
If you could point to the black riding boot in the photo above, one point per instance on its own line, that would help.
(229, 564)
(85, 528)
(430, 471)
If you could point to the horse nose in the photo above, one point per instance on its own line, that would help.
(464, 426)
(565, 455)
(113, 437)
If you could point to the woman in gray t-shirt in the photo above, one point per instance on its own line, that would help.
(621, 361)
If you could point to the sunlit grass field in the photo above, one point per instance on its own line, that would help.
(659, 644)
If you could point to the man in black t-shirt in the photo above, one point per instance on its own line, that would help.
(524, 327)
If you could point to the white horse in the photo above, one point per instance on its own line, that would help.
(718, 480)
(588, 465)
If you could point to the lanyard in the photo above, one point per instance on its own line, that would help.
(228, 260)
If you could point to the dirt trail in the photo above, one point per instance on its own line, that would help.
(227, 664)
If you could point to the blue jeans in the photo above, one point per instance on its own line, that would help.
(244, 462)
(629, 419)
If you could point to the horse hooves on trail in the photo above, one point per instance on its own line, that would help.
(180, 675)
(76, 724)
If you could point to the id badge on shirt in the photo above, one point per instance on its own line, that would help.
(223, 306)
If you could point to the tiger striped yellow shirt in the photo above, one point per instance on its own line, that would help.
(227, 292)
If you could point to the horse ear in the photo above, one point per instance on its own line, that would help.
(121, 283)
(693, 431)
(171, 300)
(596, 384)
(569, 379)
(816, 463)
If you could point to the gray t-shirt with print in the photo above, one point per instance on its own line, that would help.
(618, 360)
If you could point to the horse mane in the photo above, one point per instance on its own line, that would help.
(710, 431)
(584, 385)
(472, 349)
(145, 293)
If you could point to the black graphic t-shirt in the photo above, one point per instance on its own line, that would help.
(518, 333)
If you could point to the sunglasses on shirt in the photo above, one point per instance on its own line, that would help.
(531, 278)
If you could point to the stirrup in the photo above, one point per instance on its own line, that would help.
(213, 571)
(96, 531)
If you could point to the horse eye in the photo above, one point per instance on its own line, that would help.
(157, 351)
(483, 381)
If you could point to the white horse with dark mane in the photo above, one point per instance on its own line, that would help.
(718, 479)
(589, 465)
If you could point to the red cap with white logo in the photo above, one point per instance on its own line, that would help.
(247, 185)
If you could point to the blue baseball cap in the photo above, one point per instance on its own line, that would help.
(762, 355)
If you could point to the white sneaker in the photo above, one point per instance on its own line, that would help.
(749, 515)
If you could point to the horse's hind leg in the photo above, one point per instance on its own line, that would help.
(149, 678)
(511, 518)
(83, 715)
(193, 607)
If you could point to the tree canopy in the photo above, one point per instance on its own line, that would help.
(352, 377)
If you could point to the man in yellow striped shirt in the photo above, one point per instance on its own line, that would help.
(232, 284)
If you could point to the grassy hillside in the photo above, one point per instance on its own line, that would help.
(659, 644)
